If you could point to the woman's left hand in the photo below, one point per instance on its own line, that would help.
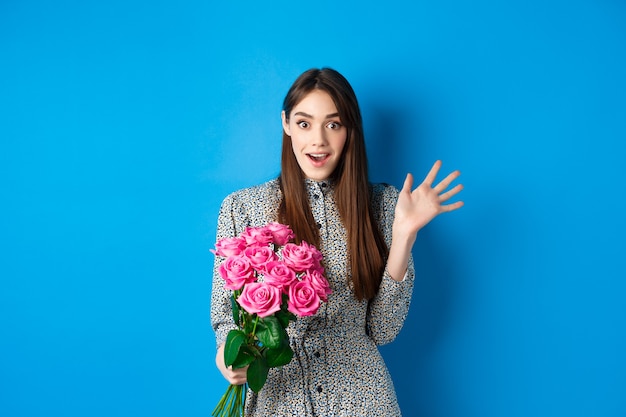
(416, 208)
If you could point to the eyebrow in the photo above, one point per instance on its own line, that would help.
(328, 116)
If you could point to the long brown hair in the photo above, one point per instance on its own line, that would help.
(367, 251)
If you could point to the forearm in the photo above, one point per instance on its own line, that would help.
(399, 253)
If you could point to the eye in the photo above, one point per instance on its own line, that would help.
(334, 125)
(303, 124)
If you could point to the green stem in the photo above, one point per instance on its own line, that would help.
(232, 403)
(255, 323)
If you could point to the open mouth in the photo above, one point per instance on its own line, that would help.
(318, 157)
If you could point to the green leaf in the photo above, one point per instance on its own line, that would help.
(234, 340)
(246, 356)
(271, 333)
(235, 307)
(260, 325)
(257, 374)
(284, 317)
(279, 356)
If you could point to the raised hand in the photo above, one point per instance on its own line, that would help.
(416, 208)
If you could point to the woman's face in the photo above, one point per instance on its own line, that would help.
(317, 135)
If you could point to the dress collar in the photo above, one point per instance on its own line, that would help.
(317, 186)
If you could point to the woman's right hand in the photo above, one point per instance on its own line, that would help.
(233, 376)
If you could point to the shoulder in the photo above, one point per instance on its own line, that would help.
(254, 205)
(383, 191)
(255, 193)
(383, 199)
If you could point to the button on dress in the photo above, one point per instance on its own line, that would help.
(337, 369)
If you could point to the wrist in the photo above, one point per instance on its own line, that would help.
(403, 239)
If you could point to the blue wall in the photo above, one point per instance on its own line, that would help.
(124, 124)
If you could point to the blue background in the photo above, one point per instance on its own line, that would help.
(123, 124)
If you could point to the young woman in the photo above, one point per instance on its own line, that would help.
(365, 232)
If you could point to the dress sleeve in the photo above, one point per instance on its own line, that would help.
(388, 310)
(221, 311)
(390, 307)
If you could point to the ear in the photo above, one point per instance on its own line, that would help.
(286, 128)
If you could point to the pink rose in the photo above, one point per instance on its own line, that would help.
(259, 256)
(260, 298)
(303, 299)
(257, 236)
(236, 271)
(318, 282)
(279, 275)
(298, 257)
(229, 246)
(282, 233)
(315, 253)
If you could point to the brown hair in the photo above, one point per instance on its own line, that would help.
(367, 251)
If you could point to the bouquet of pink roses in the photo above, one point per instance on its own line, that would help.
(273, 281)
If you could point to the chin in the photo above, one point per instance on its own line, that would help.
(317, 177)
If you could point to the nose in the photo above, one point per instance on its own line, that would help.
(320, 137)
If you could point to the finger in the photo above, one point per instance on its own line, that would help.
(408, 183)
(449, 194)
(432, 174)
(237, 380)
(238, 371)
(451, 207)
(237, 376)
(447, 181)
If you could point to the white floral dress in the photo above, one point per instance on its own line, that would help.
(337, 369)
